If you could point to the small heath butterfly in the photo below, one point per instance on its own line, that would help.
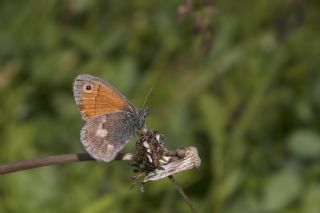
(111, 120)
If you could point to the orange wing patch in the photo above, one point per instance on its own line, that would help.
(95, 98)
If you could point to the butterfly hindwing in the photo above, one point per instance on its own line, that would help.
(104, 136)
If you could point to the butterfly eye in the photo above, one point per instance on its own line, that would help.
(88, 88)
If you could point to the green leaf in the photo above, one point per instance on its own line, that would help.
(312, 199)
(280, 190)
(304, 144)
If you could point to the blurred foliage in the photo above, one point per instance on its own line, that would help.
(238, 80)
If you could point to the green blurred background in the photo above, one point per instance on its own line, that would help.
(239, 80)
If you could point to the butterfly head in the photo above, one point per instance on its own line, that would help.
(141, 114)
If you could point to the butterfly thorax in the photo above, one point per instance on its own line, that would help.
(139, 117)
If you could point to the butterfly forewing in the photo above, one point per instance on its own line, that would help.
(96, 97)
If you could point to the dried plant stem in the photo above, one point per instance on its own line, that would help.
(182, 193)
(52, 160)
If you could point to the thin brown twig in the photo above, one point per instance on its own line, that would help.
(52, 160)
(182, 193)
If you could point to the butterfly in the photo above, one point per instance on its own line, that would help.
(111, 120)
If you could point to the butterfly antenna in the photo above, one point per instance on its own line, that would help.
(144, 103)
(145, 100)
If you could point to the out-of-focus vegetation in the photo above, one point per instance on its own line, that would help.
(239, 80)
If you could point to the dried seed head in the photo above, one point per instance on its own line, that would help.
(150, 150)
(152, 161)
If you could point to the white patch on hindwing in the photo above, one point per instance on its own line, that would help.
(101, 133)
